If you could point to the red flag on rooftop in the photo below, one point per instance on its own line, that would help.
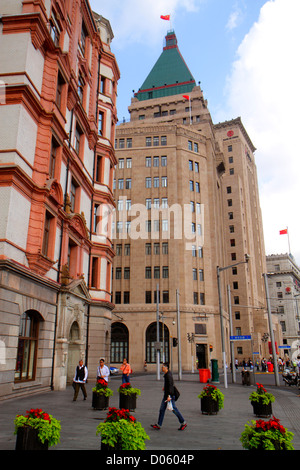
(165, 17)
(186, 97)
(283, 232)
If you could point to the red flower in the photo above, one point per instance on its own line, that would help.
(273, 423)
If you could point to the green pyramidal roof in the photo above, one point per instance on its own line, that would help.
(169, 76)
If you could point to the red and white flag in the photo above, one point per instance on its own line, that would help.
(165, 17)
(186, 97)
(283, 232)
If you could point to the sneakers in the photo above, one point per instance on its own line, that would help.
(182, 427)
(155, 426)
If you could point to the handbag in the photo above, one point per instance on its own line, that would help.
(169, 406)
(176, 393)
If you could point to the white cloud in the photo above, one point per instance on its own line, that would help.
(134, 20)
(263, 89)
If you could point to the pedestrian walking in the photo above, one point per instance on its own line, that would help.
(169, 397)
(79, 381)
(126, 371)
(102, 371)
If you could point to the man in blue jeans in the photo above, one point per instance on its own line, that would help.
(169, 395)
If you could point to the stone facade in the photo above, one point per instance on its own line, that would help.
(187, 201)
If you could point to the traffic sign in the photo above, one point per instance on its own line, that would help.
(240, 338)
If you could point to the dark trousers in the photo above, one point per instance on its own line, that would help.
(77, 386)
(162, 411)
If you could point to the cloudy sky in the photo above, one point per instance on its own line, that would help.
(245, 53)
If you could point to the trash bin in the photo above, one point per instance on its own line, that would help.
(204, 375)
(270, 367)
(245, 377)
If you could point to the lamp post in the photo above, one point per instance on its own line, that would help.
(219, 270)
(271, 330)
(157, 335)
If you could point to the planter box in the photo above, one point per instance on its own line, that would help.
(100, 402)
(108, 448)
(259, 409)
(27, 439)
(209, 406)
(127, 402)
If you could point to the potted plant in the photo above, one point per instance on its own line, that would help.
(121, 431)
(37, 430)
(212, 399)
(261, 400)
(101, 394)
(127, 396)
(266, 435)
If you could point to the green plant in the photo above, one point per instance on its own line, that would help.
(261, 395)
(266, 435)
(121, 428)
(127, 389)
(213, 392)
(47, 426)
(101, 388)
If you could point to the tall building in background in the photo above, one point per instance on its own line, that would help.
(284, 289)
(187, 201)
(57, 161)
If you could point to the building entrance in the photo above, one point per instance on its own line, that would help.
(201, 354)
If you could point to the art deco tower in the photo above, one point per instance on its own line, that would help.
(174, 223)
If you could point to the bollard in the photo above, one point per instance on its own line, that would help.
(214, 371)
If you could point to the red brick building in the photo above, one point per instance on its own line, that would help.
(57, 160)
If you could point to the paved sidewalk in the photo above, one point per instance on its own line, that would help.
(216, 432)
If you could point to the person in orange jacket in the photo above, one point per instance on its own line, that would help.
(126, 371)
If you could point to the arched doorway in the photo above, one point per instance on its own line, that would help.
(119, 343)
(27, 346)
(73, 351)
(151, 340)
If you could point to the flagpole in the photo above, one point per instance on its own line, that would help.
(287, 231)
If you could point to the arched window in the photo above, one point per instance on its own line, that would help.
(119, 343)
(27, 346)
(151, 340)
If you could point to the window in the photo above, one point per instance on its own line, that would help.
(129, 143)
(59, 90)
(229, 202)
(27, 346)
(95, 272)
(156, 272)
(165, 248)
(54, 30)
(121, 183)
(119, 342)
(148, 203)
(128, 162)
(127, 249)
(190, 145)
(231, 171)
(118, 300)
(53, 154)
(121, 143)
(148, 297)
(156, 161)
(151, 337)
(235, 285)
(190, 165)
(165, 297)
(196, 147)
(191, 185)
(201, 275)
(83, 38)
(47, 233)
(148, 182)
(80, 88)
(197, 185)
(156, 182)
(126, 297)
(156, 141)
(148, 141)
(74, 188)
(119, 250)
(99, 169)
(102, 85)
(101, 123)
(128, 183)
(156, 249)
(228, 189)
(163, 140)
(148, 272)
(164, 161)
(194, 274)
(164, 181)
(78, 138)
(196, 167)
(148, 249)
(148, 162)
(121, 163)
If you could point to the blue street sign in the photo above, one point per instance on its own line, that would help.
(284, 347)
(240, 338)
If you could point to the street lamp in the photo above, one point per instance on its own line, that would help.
(221, 312)
(271, 330)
